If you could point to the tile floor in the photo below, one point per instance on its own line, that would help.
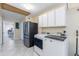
(15, 48)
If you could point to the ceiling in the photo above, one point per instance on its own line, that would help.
(11, 16)
(38, 7)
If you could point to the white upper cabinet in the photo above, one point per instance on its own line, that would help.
(51, 18)
(40, 23)
(61, 16)
(44, 20)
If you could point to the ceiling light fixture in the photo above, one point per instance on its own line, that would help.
(28, 6)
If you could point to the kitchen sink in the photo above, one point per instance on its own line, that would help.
(61, 38)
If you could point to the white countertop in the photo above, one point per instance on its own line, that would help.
(40, 36)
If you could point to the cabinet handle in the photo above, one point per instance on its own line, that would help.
(50, 40)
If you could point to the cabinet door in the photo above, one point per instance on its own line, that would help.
(40, 23)
(48, 47)
(54, 48)
(61, 16)
(51, 18)
(44, 20)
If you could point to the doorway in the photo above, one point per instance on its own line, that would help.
(8, 31)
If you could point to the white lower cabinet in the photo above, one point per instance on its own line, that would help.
(48, 47)
(54, 48)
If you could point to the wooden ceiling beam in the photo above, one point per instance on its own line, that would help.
(13, 9)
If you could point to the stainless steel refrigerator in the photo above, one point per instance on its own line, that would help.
(29, 30)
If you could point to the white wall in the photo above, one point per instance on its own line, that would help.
(0, 30)
(12, 17)
(21, 27)
(18, 32)
(72, 26)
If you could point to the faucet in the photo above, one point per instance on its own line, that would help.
(62, 34)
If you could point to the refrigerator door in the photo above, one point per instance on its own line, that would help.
(25, 34)
(30, 29)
